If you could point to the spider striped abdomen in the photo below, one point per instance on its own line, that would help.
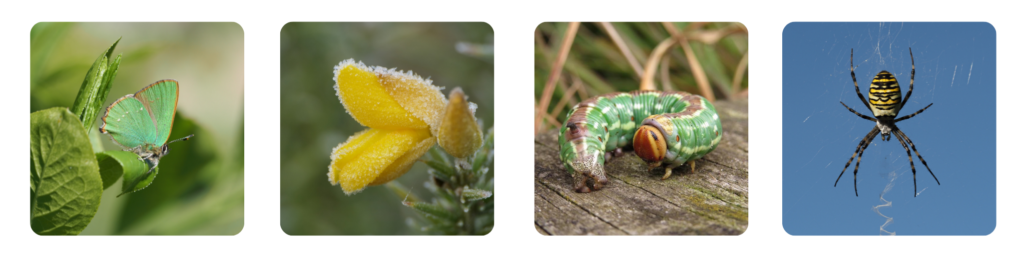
(884, 95)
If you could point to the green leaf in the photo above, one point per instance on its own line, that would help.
(444, 170)
(95, 87)
(181, 172)
(435, 154)
(108, 79)
(481, 156)
(135, 180)
(470, 194)
(484, 153)
(65, 179)
(489, 139)
(430, 209)
(401, 191)
(113, 165)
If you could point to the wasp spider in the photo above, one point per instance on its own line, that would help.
(885, 104)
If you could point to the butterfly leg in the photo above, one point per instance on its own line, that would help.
(150, 171)
(152, 161)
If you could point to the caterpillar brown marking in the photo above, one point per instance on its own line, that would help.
(676, 128)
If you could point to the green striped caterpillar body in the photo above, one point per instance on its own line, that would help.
(665, 128)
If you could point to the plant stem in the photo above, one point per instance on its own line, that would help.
(556, 71)
(465, 177)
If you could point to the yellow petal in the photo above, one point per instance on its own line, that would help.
(370, 153)
(384, 98)
(403, 163)
(458, 132)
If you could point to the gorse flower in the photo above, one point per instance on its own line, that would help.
(458, 132)
(405, 113)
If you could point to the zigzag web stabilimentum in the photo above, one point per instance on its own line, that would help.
(886, 203)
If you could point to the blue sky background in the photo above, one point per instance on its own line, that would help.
(957, 135)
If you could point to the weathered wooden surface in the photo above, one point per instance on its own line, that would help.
(711, 201)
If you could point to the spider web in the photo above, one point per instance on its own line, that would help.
(837, 132)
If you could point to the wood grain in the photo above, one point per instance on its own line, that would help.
(711, 201)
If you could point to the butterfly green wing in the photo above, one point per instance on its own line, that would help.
(161, 100)
(128, 123)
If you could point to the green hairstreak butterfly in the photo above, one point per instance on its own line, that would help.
(141, 122)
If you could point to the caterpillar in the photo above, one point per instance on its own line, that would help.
(676, 128)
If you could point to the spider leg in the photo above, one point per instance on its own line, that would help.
(855, 87)
(912, 169)
(858, 114)
(857, 167)
(911, 90)
(912, 115)
(901, 134)
(860, 150)
(855, 152)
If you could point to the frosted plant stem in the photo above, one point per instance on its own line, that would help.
(464, 207)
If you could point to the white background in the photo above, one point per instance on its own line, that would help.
(513, 23)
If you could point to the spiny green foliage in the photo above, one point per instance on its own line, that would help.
(463, 201)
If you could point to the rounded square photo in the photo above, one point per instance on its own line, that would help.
(889, 128)
(137, 129)
(641, 128)
(386, 128)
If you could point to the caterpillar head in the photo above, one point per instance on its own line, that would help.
(649, 144)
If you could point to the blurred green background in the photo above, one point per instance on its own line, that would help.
(199, 190)
(597, 64)
(313, 120)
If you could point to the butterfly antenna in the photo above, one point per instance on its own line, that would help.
(182, 139)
